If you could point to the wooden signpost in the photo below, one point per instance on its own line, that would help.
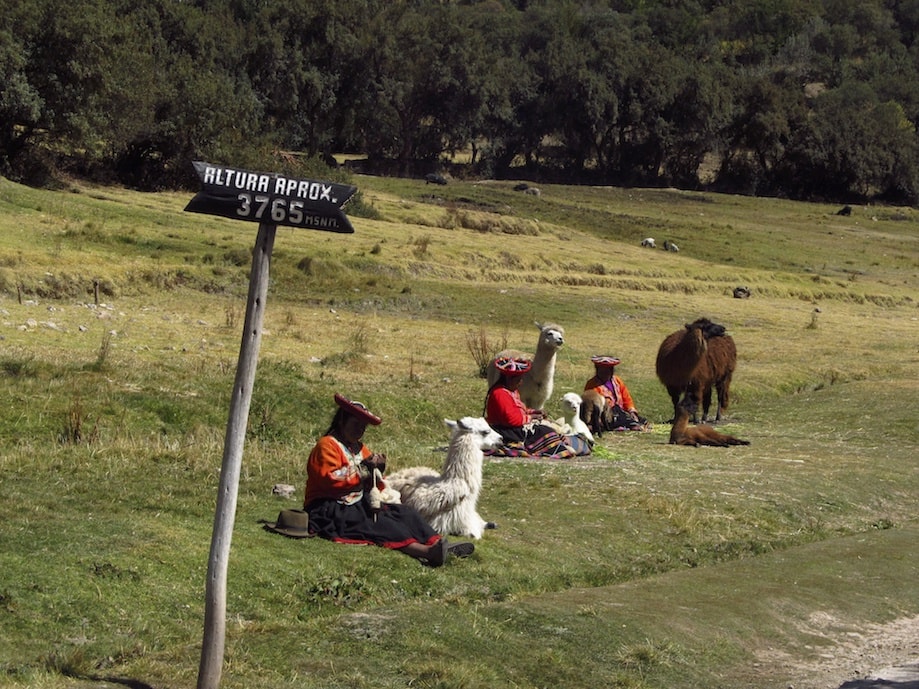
(269, 199)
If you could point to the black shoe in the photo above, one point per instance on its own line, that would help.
(438, 554)
(464, 549)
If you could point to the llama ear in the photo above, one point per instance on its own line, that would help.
(538, 324)
(451, 424)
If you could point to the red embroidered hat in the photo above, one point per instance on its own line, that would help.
(511, 366)
(605, 361)
(357, 409)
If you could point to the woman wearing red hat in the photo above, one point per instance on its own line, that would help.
(504, 410)
(623, 415)
(523, 429)
(339, 468)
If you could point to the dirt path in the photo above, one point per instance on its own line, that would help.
(874, 657)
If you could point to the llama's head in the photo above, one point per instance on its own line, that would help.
(551, 335)
(708, 328)
(476, 430)
(571, 405)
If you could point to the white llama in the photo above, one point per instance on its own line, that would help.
(536, 386)
(571, 408)
(448, 499)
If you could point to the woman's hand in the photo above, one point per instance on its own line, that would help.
(376, 461)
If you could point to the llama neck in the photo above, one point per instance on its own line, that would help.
(697, 345)
(544, 361)
(696, 342)
(681, 422)
(464, 460)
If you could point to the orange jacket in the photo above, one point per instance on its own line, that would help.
(333, 472)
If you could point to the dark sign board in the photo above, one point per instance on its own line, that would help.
(271, 198)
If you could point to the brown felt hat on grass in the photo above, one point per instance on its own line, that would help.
(357, 409)
(292, 523)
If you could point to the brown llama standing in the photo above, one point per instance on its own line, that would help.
(684, 434)
(680, 355)
(715, 371)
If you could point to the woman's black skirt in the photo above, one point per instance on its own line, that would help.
(393, 526)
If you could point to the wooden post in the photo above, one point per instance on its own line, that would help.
(215, 610)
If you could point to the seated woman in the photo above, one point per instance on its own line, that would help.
(525, 431)
(620, 413)
(339, 469)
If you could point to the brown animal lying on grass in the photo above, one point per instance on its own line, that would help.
(684, 434)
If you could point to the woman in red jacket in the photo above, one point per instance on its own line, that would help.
(504, 410)
(339, 469)
(525, 432)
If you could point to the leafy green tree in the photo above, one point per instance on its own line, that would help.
(800, 97)
(512, 125)
(769, 110)
(697, 120)
(853, 145)
(648, 90)
(304, 65)
(424, 84)
(20, 103)
(203, 106)
(579, 68)
(73, 77)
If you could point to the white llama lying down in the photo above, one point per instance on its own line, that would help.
(571, 408)
(448, 499)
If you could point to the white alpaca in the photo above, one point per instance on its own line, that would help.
(571, 408)
(448, 499)
(536, 386)
(648, 242)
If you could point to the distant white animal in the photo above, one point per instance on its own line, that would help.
(670, 246)
(648, 242)
(571, 408)
(448, 500)
(536, 386)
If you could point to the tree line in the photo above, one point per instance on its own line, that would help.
(807, 99)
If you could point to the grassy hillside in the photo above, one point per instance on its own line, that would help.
(644, 565)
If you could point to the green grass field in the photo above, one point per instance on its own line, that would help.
(643, 566)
